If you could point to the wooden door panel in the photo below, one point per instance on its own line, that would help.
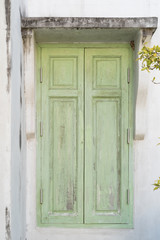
(62, 141)
(63, 154)
(106, 72)
(84, 168)
(63, 72)
(106, 136)
(106, 123)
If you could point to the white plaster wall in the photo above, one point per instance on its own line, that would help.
(5, 128)
(12, 170)
(18, 168)
(146, 152)
(92, 8)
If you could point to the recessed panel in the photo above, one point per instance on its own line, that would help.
(107, 155)
(106, 72)
(63, 73)
(63, 155)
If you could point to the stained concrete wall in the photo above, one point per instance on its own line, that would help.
(146, 152)
(18, 180)
(18, 156)
(12, 138)
(5, 129)
(91, 8)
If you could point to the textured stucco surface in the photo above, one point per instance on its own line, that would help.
(5, 130)
(91, 8)
(59, 22)
(18, 180)
(146, 156)
(12, 210)
(18, 165)
(146, 152)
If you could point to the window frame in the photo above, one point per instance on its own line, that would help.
(38, 117)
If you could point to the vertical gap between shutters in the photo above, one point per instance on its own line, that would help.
(84, 136)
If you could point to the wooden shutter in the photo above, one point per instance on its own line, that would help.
(62, 141)
(106, 123)
(83, 100)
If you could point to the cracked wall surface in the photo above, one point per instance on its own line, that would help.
(12, 158)
(5, 125)
(18, 144)
(146, 153)
(17, 122)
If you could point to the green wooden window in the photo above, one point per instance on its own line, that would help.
(83, 143)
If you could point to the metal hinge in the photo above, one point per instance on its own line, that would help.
(41, 196)
(132, 44)
(127, 196)
(41, 129)
(41, 79)
(128, 75)
(128, 135)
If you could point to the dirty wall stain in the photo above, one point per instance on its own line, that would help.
(8, 23)
(8, 228)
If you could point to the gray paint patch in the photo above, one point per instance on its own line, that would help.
(20, 137)
(8, 227)
(8, 22)
(21, 96)
(8, 13)
(81, 22)
(27, 36)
